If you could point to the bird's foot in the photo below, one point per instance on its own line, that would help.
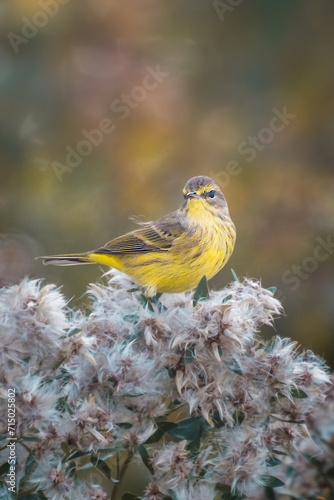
(156, 301)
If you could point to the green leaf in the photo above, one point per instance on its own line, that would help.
(233, 495)
(279, 381)
(203, 474)
(226, 299)
(228, 494)
(133, 337)
(187, 428)
(174, 405)
(131, 318)
(314, 461)
(270, 493)
(24, 446)
(64, 446)
(4, 468)
(31, 465)
(235, 276)
(194, 445)
(288, 421)
(172, 494)
(278, 452)
(156, 436)
(298, 393)
(107, 456)
(89, 465)
(235, 367)
(76, 454)
(62, 405)
(124, 425)
(272, 289)
(110, 450)
(32, 496)
(166, 426)
(34, 429)
(202, 291)
(270, 346)
(171, 372)
(59, 363)
(129, 496)
(270, 481)
(145, 302)
(265, 422)
(145, 458)
(103, 467)
(217, 421)
(32, 439)
(238, 417)
(71, 468)
(273, 461)
(73, 332)
(189, 354)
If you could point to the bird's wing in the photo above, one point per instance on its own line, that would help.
(159, 236)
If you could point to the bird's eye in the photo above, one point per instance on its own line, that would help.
(211, 193)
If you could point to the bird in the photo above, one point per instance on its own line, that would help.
(172, 254)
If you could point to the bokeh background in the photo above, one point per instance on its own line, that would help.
(224, 67)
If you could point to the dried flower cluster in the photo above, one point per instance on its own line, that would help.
(185, 385)
(309, 471)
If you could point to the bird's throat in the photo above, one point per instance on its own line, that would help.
(198, 214)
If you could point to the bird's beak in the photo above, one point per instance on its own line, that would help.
(192, 194)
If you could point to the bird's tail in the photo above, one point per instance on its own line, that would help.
(67, 260)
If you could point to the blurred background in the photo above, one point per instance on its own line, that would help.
(108, 108)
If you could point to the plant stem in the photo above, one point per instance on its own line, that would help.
(122, 472)
(117, 465)
(270, 494)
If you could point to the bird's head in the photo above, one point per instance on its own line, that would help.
(202, 195)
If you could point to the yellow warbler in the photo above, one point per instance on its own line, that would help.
(172, 254)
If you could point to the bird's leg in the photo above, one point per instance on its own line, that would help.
(156, 301)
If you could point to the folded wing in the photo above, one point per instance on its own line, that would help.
(159, 236)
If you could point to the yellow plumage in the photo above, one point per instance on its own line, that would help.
(172, 254)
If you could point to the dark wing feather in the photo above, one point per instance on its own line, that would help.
(156, 237)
